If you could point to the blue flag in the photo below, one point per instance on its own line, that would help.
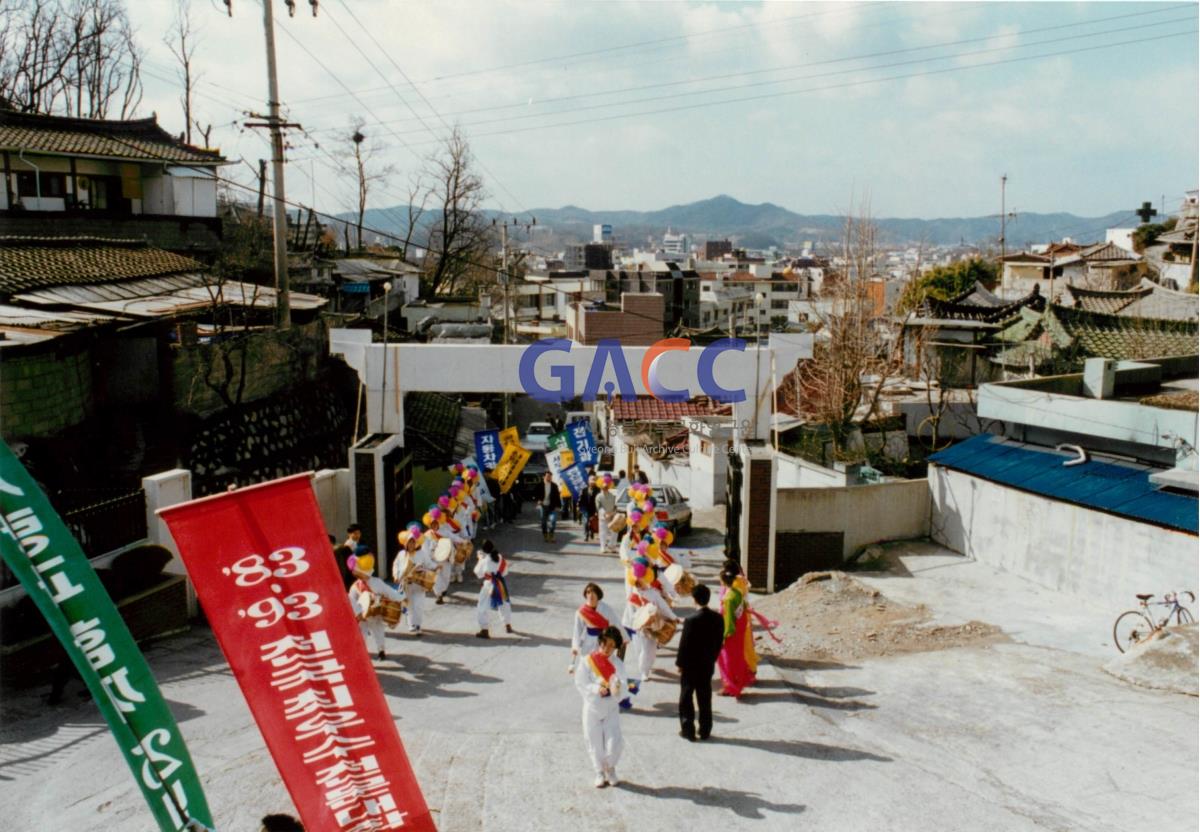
(583, 444)
(487, 449)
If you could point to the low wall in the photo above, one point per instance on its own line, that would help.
(1056, 544)
(864, 514)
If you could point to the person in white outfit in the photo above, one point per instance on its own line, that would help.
(463, 517)
(644, 647)
(411, 558)
(363, 595)
(437, 530)
(591, 619)
(492, 568)
(600, 681)
(606, 509)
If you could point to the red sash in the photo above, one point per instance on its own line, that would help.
(601, 665)
(637, 600)
(592, 617)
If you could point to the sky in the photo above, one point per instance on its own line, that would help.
(915, 109)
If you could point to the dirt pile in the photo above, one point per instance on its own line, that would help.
(834, 616)
(1167, 661)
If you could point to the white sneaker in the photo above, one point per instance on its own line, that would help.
(600, 781)
(611, 777)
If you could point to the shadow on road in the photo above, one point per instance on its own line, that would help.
(800, 748)
(419, 677)
(743, 804)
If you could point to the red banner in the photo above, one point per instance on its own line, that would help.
(261, 563)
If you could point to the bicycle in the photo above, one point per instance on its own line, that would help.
(1135, 626)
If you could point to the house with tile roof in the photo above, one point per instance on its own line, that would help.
(1147, 300)
(94, 177)
(1100, 266)
(1060, 338)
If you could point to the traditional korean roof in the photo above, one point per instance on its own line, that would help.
(29, 263)
(1071, 334)
(1102, 252)
(140, 139)
(1148, 300)
(979, 304)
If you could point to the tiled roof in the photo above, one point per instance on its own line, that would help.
(1102, 252)
(36, 263)
(430, 427)
(650, 409)
(142, 139)
(1105, 302)
(1076, 334)
(980, 306)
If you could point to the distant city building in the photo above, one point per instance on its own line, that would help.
(714, 249)
(678, 244)
(602, 233)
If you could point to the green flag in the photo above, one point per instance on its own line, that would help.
(557, 441)
(46, 559)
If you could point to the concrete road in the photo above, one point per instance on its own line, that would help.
(1019, 736)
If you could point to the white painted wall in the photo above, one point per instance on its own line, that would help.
(794, 472)
(865, 514)
(169, 488)
(1065, 547)
(332, 488)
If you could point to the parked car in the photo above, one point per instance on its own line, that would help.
(670, 507)
(536, 436)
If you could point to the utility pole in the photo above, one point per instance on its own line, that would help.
(284, 313)
(1003, 217)
(504, 282)
(273, 122)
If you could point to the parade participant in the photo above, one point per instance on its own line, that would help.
(549, 502)
(437, 530)
(622, 480)
(492, 568)
(591, 619)
(413, 557)
(644, 647)
(353, 536)
(599, 683)
(587, 507)
(736, 673)
(365, 594)
(633, 536)
(606, 509)
(699, 647)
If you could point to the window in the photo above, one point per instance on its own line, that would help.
(52, 184)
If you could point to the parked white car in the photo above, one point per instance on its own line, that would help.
(670, 507)
(536, 436)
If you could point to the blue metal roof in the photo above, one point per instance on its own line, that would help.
(1122, 488)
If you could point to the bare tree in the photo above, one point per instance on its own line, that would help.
(460, 238)
(853, 359)
(182, 39)
(73, 57)
(366, 170)
(418, 198)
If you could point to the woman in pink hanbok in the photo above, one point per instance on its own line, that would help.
(737, 674)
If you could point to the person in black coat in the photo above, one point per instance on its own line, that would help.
(699, 646)
(550, 502)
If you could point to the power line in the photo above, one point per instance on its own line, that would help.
(576, 56)
(844, 59)
(827, 87)
(403, 75)
(833, 73)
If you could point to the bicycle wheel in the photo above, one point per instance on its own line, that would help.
(1182, 616)
(1130, 628)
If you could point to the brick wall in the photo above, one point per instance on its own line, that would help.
(274, 361)
(757, 517)
(639, 323)
(42, 393)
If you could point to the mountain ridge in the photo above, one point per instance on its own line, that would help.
(765, 224)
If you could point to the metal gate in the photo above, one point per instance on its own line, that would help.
(797, 553)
